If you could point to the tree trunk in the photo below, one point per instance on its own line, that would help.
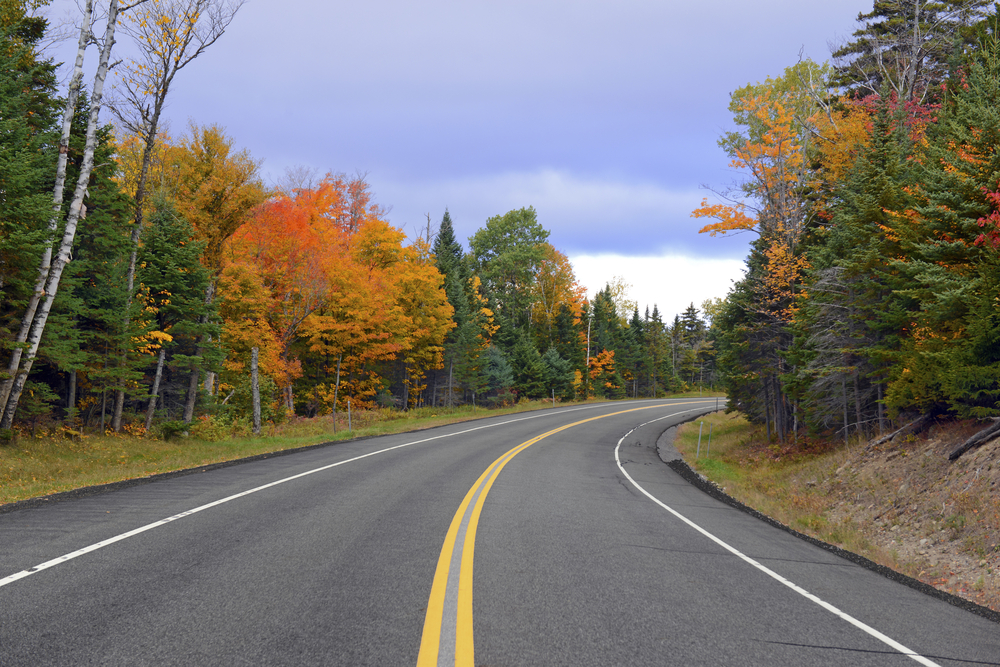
(192, 393)
(406, 388)
(980, 438)
(71, 402)
(255, 390)
(192, 396)
(140, 197)
(151, 410)
(881, 410)
(767, 406)
(69, 233)
(451, 390)
(336, 390)
(843, 391)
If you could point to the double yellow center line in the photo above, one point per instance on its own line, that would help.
(448, 624)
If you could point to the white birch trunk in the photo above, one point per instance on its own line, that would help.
(151, 410)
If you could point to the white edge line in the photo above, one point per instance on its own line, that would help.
(771, 573)
(162, 522)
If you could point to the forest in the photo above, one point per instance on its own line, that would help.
(872, 188)
(148, 280)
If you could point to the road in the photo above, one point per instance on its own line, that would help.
(556, 537)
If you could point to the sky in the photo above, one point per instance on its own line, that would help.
(603, 116)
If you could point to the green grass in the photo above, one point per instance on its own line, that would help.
(32, 467)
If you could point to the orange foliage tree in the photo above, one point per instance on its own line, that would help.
(343, 295)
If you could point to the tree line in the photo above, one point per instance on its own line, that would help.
(143, 295)
(871, 187)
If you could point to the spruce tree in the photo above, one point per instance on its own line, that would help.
(951, 254)
(28, 151)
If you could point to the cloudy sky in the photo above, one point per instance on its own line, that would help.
(602, 115)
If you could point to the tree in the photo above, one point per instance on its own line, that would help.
(461, 346)
(292, 245)
(215, 188)
(907, 46)
(171, 272)
(84, 332)
(848, 324)
(28, 113)
(949, 258)
(506, 254)
(780, 116)
(554, 287)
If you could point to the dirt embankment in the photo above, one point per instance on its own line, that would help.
(935, 520)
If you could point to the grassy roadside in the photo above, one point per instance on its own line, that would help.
(33, 467)
(778, 481)
(902, 504)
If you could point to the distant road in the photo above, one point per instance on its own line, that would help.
(550, 538)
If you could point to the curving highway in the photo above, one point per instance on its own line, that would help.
(557, 537)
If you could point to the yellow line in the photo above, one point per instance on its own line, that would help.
(430, 642)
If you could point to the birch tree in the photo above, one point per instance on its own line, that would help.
(169, 35)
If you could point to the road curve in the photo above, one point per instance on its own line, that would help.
(571, 543)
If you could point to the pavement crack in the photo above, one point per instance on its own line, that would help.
(963, 661)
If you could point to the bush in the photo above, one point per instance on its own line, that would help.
(211, 429)
(172, 429)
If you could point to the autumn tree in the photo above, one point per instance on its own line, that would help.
(215, 187)
(780, 118)
(554, 287)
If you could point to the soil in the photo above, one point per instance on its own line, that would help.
(932, 519)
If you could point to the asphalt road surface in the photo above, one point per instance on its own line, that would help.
(557, 537)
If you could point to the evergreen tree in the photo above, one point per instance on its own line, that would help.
(28, 151)
(85, 328)
(558, 374)
(497, 374)
(530, 372)
(170, 269)
(950, 257)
